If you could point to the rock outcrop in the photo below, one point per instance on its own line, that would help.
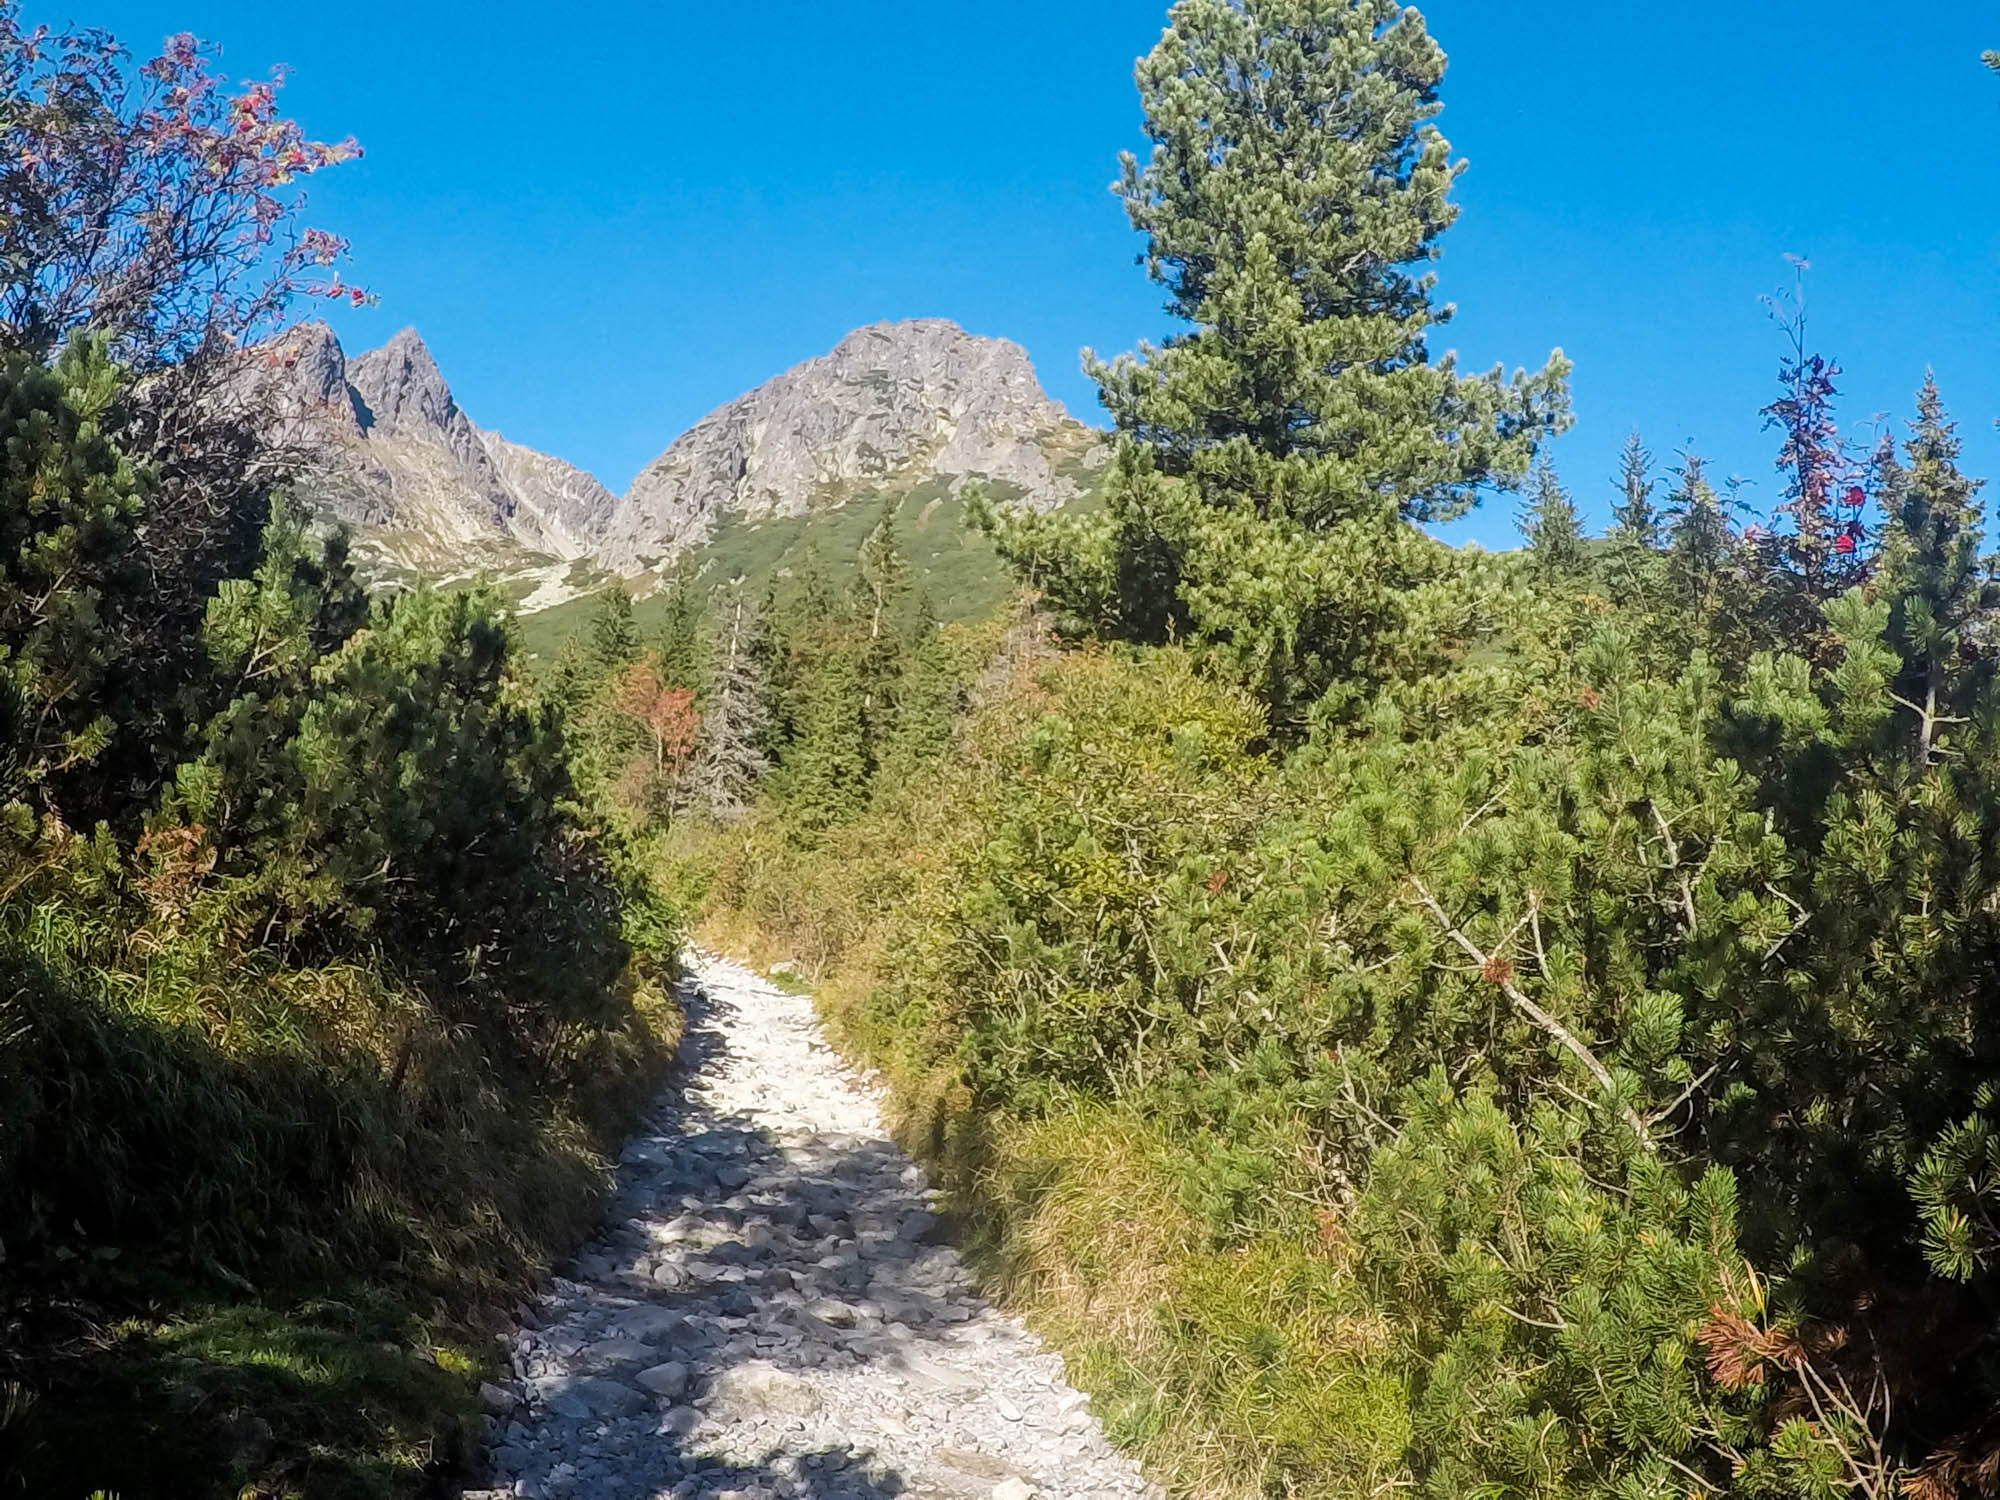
(397, 453)
(892, 406)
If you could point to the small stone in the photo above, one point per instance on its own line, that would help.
(1013, 1489)
(680, 1421)
(978, 1465)
(497, 1399)
(649, 1325)
(581, 1397)
(761, 1388)
(669, 1380)
(1009, 1412)
(830, 1310)
(625, 1351)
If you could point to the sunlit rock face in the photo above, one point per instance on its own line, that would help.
(892, 406)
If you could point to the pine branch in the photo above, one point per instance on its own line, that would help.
(1562, 1035)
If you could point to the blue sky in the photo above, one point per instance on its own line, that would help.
(608, 219)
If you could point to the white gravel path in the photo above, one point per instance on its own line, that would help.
(773, 1310)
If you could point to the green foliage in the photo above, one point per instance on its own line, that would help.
(1533, 1015)
(352, 1006)
(1556, 550)
(389, 781)
(1069, 937)
(1694, 931)
(614, 634)
(1545, 1293)
(1273, 459)
(955, 563)
(825, 767)
(69, 502)
(677, 641)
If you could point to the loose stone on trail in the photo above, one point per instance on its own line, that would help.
(772, 1311)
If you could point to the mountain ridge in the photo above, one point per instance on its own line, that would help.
(892, 407)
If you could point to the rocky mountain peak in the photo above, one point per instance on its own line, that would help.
(893, 405)
(401, 386)
(398, 456)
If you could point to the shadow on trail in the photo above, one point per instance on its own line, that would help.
(769, 1268)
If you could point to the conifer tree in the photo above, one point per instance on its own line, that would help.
(1701, 551)
(1273, 457)
(69, 506)
(614, 635)
(570, 684)
(805, 624)
(730, 759)
(929, 694)
(770, 652)
(1635, 518)
(677, 644)
(883, 579)
(1554, 534)
(1939, 587)
(826, 767)
(1635, 571)
(884, 572)
(813, 600)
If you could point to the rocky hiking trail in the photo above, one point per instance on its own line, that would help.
(771, 1308)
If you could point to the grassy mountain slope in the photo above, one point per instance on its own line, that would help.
(955, 565)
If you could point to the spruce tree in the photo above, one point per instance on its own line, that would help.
(826, 767)
(1556, 552)
(614, 635)
(1940, 589)
(929, 695)
(677, 643)
(730, 759)
(883, 579)
(1701, 552)
(813, 600)
(884, 575)
(1635, 573)
(1635, 518)
(1273, 458)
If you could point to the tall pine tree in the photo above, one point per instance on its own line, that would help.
(730, 759)
(1940, 590)
(614, 635)
(1635, 518)
(1273, 458)
(1554, 534)
(882, 581)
